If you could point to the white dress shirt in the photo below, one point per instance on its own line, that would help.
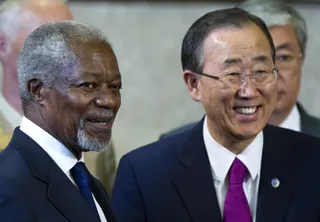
(57, 151)
(221, 160)
(293, 121)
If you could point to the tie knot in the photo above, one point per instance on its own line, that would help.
(237, 172)
(80, 174)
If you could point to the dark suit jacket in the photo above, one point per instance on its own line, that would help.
(309, 125)
(171, 180)
(34, 189)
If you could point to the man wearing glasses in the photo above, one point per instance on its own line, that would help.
(289, 33)
(230, 167)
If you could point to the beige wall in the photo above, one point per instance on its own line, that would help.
(147, 40)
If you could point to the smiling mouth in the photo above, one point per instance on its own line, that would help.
(101, 122)
(100, 125)
(246, 110)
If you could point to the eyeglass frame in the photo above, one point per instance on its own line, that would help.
(274, 72)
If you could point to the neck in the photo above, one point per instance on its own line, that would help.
(231, 142)
(10, 88)
(277, 118)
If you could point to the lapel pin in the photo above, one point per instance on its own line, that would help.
(275, 182)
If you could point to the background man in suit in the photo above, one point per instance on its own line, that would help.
(289, 33)
(18, 18)
(69, 84)
(214, 171)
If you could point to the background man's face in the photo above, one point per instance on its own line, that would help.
(289, 63)
(33, 16)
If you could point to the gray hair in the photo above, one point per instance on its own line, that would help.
(48, 52)
(12, 10)
(275, 13)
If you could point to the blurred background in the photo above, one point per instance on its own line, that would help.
(146, 37)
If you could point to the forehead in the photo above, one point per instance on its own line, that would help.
(284, 35)
(49, 11)
(244, 43)
(36, 13)
(95, 56)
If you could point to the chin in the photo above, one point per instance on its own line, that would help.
(248, 132)
(90, 143)
(245, 135)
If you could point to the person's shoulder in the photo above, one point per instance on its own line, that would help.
(294, 143)
(159, 151)
(309, 124)
(178, 130)
(12, 163)
(290, 135)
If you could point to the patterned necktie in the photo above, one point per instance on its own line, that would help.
(81, 176)
(236, 207)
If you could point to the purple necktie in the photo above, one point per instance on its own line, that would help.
(236, 207)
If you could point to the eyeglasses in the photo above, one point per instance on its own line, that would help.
(236, 79)
(287, 62)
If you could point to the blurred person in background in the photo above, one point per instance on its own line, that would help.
(18, 18)
(289, 33)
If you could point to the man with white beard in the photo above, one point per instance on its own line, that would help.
(69, 84)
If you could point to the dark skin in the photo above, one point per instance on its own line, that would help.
(91, 94)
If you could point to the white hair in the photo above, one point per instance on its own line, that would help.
(48, 52)
(276, 13)
(11, 12)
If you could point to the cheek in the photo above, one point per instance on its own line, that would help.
(270, 95)
(118, 104)
(70, 112)
(18, 43)
(288, 81)
(218, 99)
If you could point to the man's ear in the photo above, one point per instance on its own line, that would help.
(192, 82)
(4, 45)
(37, 90)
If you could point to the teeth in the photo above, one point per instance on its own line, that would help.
(99, 122)
(246, 110)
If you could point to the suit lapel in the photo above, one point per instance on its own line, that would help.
(306, 122)
(276, 166)
(103, 200)
(61, 191)
(193, 179)
(309, 124)
(68, 199)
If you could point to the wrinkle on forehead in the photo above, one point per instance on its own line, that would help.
(96, 56)
(224, 46)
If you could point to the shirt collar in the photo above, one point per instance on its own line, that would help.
(221, 158)
(61, 155)
(293, 121)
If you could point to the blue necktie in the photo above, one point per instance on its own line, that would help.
(81, 176)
